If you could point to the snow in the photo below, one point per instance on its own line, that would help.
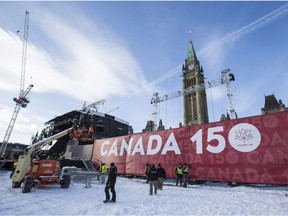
(133, 199)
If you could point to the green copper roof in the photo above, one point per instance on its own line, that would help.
(191, 55)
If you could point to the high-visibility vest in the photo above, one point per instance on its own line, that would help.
(179, 170)
(104, 168)
(15, 164)
(185, 169)
(147, 170)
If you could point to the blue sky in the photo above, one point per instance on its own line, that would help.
(125, 51)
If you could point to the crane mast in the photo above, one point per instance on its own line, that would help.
(226, 78)
(24, 52)
(22, 100)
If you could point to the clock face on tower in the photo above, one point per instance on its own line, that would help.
(190, 67)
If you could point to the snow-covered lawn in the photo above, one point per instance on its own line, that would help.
(133, 199)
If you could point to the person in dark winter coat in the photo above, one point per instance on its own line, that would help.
(153, 179)
(147, 168)
(161, 176)
(110, 184)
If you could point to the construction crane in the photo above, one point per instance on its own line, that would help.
(23, 98)
(93, 105)
(87, 108)
(226, 78)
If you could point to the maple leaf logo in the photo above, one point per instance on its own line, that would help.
(243, 135)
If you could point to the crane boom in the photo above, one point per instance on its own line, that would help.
(93, 105)
(187, 91)
(22, 100)
(87, 108)
(226, 78)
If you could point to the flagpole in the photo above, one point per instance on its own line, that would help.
(190, 32)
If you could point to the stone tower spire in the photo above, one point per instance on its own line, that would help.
(195, 104)
(191, 55)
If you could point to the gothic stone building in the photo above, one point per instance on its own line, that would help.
(195, 104)
(272, 105)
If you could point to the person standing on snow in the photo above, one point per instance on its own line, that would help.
(153, 179)
(103, 169)
(179, 174)
(161, 176)
(185, 170)
(110, 184)
(147, 168)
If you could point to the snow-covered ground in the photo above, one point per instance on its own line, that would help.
(133, 199)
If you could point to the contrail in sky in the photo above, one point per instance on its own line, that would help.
(260, 23)
(236, 35)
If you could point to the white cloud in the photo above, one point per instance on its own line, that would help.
(10, 69)
(98, 65)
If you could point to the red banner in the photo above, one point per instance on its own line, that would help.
(247, 150)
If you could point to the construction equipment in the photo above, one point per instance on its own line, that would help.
(22, 100)
(226, 78)
(32, 170)
(83, 134)
(88, 108)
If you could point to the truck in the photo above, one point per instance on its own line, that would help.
(32, 170)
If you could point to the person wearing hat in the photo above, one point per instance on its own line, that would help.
(110, 184)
